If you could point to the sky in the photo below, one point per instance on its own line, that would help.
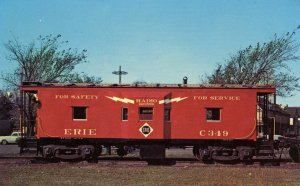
(157, 41)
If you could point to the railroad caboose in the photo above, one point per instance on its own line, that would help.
(221, 122)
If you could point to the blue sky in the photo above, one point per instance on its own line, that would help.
(154, 40)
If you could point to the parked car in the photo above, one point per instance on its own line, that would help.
(277, 137)
(4, 140)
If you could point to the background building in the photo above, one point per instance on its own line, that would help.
(294, 120)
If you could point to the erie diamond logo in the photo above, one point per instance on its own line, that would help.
(146, 130)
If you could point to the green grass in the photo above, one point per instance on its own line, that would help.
(99, 174)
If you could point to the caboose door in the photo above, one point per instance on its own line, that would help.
(154, 115)
(167, 116)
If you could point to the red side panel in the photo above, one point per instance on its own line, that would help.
(188, 108)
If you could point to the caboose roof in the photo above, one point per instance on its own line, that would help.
(157, 85)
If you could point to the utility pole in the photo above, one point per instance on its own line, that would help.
(21, 107)
(120, 73)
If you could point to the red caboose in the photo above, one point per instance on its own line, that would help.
(220, 122)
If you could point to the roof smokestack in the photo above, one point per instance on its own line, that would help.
(185, 80)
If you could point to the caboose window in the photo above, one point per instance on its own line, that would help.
(124, 114)
(213, 114)
(79, 113)
(167, 115)
(146, 113)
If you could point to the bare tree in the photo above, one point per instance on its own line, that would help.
(46, 60)
(6, 106)
(265, 63)
(82, 78)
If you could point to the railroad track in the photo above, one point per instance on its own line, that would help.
(137, 162)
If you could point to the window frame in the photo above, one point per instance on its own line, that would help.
(145, 115)
(122, 114)
(219, 109)
(77, 118)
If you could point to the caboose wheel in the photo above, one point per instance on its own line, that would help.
(202, 155)
(196, 152)
(295, 152)
(97, 151)
(121, 151)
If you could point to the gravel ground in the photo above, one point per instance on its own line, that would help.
(19, 171)
(9, 150)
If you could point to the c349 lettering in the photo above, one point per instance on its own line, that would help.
(218, 133)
